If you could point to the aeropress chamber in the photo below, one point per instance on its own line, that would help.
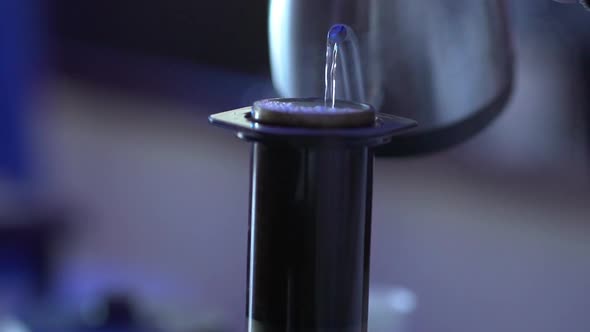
(310, 210)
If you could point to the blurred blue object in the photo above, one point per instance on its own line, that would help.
(19, 22)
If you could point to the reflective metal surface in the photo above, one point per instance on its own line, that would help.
(446, 64)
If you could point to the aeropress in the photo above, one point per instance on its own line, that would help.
(310, 204)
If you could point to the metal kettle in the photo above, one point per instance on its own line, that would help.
(447, 64)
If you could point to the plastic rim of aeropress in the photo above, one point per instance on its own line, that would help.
(350, 123)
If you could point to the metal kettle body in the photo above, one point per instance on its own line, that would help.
(447, 64)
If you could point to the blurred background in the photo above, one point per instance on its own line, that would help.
(121, 208)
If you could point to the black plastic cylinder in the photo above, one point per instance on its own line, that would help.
(309, 237)
(310, 211)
